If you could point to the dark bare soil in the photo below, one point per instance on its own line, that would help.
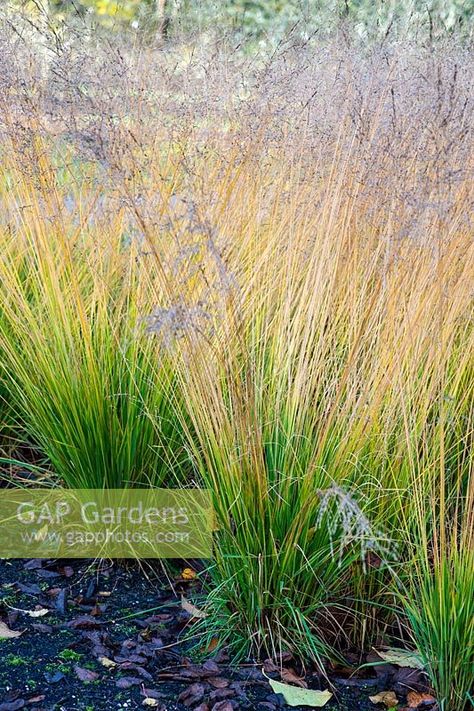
(116, 634)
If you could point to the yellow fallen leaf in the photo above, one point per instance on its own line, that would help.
(150, 702)
(107, 663)
(188, 574)
(193, 610)
(385, 697)
(401, 657)
(295, 696)
(7, 633)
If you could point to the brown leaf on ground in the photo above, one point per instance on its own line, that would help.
(285, 657)
(270, 667)
(137, 668)
(406, 679)
(220, 694)
(13, 705)
(190, 671)
(33, 564)
(192, 695)
(416, 700)
(387, 698)
(192, 610)
(153, 693)
(85, 674)
(212, 646)
(210, 668)
(85, 622)
(223, 706)
(218, 682)
(7, 633)
(31, 589)
(39, 627)
(289, 676)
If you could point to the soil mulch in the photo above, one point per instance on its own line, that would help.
(103, 637)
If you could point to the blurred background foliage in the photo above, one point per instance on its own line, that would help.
(265, 19)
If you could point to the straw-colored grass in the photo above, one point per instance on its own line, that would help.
(90, 392)
(306, 285)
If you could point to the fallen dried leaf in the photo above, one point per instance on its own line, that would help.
(33, 564)
(53, 678)
(61, 601)
(218, 682)
(37, 613)
(107, 663)
(417, 700)
(40, 627)
(289, 676)
(192, 610)
(188, 574)
(270, 667)
(401, 657)
(220, 694)
(212, 646)
(28, 589)
(85, 674)
(47, 574)
(223, 706)
(192, 695)
(209, 668)
(85, 622)
(295, 696)
(150, 702)
(13, 705)
(153, 693)
(408, 679)
(385, 697)
(7, 633)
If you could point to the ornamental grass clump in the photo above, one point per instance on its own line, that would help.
(337, 334)
(314, 415)
(90, 393)
(256, 275)
(438, 593)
